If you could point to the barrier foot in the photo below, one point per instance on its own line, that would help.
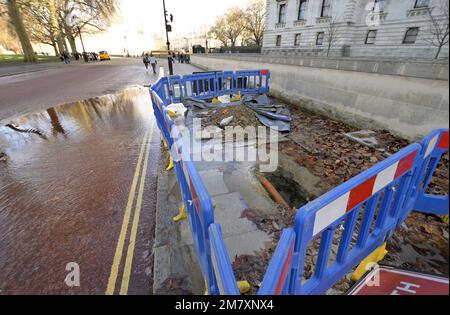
(215, 101)
(182, 215)
(164, 143)
(444, 218)
(374, 258)
(206, 289)
(244, 287)
(236, 98)
(171, 165)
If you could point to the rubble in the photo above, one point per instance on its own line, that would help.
(3, 157)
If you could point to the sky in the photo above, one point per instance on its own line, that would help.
(140, 20)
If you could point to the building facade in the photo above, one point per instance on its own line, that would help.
(355, 28)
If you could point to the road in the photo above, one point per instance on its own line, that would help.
(78, 187)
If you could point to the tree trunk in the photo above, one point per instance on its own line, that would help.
(438, 52)
(17, 21)
(71, 39)
(54, 23)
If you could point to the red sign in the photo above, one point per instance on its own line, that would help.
(390, 281)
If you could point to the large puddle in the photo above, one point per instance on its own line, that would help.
(64, 184)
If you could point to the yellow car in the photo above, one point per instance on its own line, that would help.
(104, 56)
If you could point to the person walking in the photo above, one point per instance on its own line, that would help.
(66, 57)
(153, 62)
(146, 61)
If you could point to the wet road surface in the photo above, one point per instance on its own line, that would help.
(79, 186)
(34, 91)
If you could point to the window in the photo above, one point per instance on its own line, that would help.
(379, 5)
(422, 3)
(282, 13)
(371, 36)
(298, 38)
(302, 10)
(326, 5)
(319, 39)
(278, 43)
(411, 35)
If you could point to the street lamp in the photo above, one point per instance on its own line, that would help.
(168, 29)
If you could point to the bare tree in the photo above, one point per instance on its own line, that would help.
(439, 27)
(15, 16)
(332, 34)
(217, 31)
(255, 13)
(229, 27)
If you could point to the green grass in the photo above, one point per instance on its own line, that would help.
(19, 58)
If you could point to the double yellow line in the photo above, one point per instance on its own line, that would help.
(142, 161)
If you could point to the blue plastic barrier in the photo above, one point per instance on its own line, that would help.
(226, 281)
(380, 198)
(384, 187)
(433, 147)
(195, 196)
(275, 281)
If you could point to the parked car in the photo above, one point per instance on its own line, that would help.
(104, 56)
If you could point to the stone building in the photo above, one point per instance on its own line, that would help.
(355, 28)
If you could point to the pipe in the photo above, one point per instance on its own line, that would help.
(276, 196)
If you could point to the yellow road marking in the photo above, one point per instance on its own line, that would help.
(134, 229)
(126, 220)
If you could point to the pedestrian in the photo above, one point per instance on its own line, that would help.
(182, 58)
(66, 58)
(146, 61)
(153, 62)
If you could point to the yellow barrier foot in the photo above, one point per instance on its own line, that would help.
(444, 218)
(374, 258)
(244, 287)
(206, 289)
(171, 165)
(216, 101)
(182, 215)
(164, 143)
(236, 98)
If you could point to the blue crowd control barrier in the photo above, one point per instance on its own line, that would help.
(195, 196)
(201, 86)
(275, 281)
(379, 199)
(384, 187)
(433, 147)
(226, 281)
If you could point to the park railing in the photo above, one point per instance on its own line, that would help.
(348, 223)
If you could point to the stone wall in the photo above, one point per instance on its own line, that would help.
(406, 105)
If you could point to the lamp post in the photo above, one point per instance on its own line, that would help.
(168, 29)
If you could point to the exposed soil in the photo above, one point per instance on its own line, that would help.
(319, 144)
(242, 116)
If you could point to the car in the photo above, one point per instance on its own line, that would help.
(104, 56)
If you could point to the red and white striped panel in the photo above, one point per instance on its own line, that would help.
(344, 204)
(443, 143)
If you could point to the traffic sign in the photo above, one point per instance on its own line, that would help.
(384, 280)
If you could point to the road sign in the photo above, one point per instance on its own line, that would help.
(391, 281)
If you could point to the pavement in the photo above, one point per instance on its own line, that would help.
(78, 185)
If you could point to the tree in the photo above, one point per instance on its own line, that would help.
(439, 27)
(16, 19)
(217, 31)
(332, 34)
(255, 13)
(229, 27)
